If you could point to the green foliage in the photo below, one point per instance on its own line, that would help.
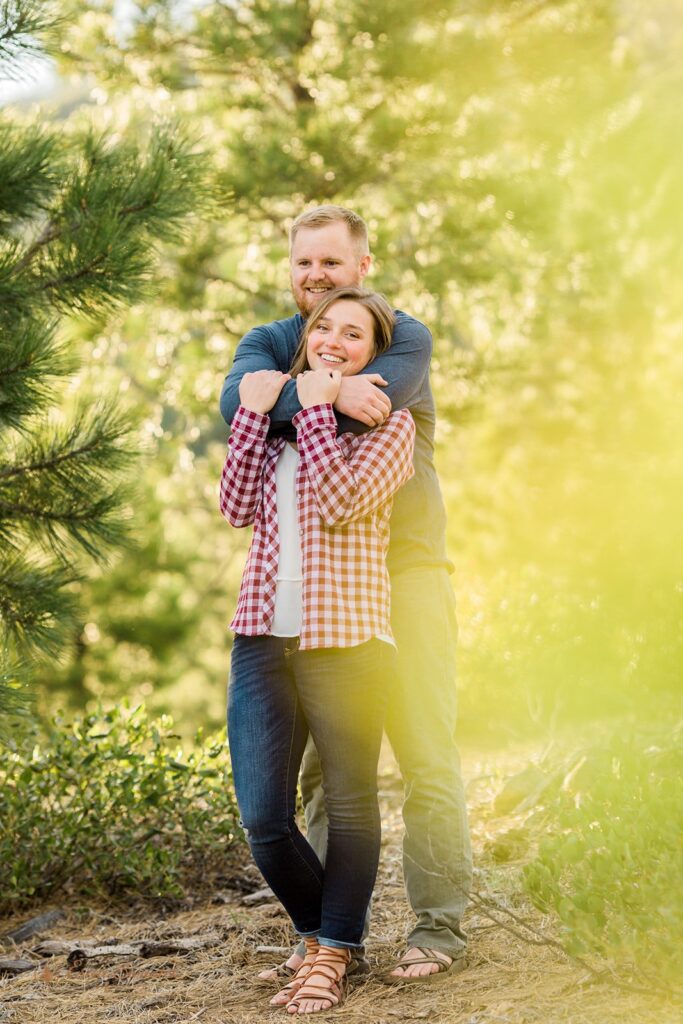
(83, 214)
(109, 805)
(609, 858)
(517, 163)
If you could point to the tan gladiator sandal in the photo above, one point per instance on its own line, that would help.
(285, 994)
(324, 983)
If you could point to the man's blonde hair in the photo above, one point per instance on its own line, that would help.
(321, 216)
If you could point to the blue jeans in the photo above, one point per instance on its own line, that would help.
(420, 724)
(277, 695)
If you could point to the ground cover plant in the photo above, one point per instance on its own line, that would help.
(110, 804)
(609, 855)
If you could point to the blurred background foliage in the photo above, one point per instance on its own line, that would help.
(518, 165)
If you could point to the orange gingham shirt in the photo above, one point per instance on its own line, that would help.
(345, 487)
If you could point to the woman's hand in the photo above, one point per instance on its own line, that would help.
(318, 387)
(259, 391)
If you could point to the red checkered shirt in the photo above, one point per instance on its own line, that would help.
(345, 487)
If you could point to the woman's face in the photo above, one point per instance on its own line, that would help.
(343, 339)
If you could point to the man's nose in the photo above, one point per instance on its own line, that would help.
(317, 272)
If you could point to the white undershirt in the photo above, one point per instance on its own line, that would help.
(288, 611)
(289, 580)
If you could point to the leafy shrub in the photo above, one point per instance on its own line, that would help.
(609, 865)
(109, 804)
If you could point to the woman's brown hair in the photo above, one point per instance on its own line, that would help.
(382, 315)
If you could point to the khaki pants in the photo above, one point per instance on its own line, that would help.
(420, 724)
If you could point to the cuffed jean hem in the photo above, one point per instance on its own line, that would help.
(301, 949)
(307, 935)
(338, 944)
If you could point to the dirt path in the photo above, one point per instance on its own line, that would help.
(507, 981)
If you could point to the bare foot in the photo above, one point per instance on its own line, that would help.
(407, 969)
(271, 973)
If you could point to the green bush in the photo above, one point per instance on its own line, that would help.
(109, 805)
(609, 864)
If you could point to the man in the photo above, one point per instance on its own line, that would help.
(329, 248)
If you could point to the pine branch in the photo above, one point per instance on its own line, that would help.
(62, 487)
(91, 288)
(50, 232)
(153, 192)
(94, 526)
(35, 610)
(97, 437)
(27, 28)
(30, 171)
(95, 251)
(31, 361)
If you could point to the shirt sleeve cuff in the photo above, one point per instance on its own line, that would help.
(316, 417)
(248, 424)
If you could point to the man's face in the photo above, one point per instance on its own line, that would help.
(321, 259)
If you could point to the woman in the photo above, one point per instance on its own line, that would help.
(312, 631)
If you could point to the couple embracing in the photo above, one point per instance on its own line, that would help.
(345, 621)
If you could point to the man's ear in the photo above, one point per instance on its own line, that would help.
(364, 265)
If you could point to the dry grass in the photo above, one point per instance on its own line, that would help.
(507, 981)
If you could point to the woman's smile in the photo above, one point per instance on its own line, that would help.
(344, 338)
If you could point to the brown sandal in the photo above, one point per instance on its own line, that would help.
(452, 965)
(330, 966)
(283, 997)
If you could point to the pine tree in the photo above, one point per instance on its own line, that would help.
(80, 219)
(516, 160)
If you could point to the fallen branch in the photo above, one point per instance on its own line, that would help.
(260, 896)
(56, 947)
(17, 966)
(78, 952)
(168, 946)
(33, 927)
